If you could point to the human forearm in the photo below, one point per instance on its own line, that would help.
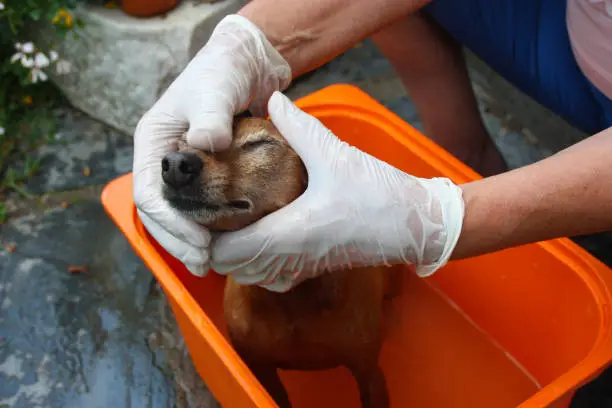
(311, 33)
(567, 194)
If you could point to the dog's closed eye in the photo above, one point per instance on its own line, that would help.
(254, 144)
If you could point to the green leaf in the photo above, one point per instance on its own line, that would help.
(35, 14)
(3, 212)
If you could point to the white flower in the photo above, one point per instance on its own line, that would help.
(1, 8)
(21, 54)
(62, 67)
(17, 56)
(41, 60)
(38, 61)
(1, 128)
(27, 48)
(27, 62)
(37, 74)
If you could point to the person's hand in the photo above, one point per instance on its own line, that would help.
(236, 69)
(356, 211)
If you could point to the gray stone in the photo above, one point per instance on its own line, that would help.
(103, 337)
(80, 339)
(121, 65)
(84, 153)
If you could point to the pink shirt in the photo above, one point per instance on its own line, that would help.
(589, 23)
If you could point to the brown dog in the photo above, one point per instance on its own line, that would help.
(325, 322)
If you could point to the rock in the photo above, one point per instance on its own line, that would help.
(84, 153)
(77, 340)
(121, 64)
(67, 339)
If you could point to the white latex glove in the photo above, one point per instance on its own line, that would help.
(356, 211)
(236, 67)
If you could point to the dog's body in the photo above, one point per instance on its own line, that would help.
(325, 322)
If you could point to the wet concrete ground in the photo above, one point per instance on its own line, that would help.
(105, 336)
(76, 339)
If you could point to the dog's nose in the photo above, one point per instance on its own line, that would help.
(180, 169)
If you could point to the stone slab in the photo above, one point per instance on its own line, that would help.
(84, 152)
(77, 340)
(121, 64)
(100, 338)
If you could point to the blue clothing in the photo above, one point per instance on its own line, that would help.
(527, 43)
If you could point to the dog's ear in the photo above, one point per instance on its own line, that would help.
(242, 115)
(238, 118)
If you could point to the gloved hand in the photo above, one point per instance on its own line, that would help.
(356, 211)
(236, 67)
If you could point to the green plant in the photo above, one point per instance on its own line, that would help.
(27, 98)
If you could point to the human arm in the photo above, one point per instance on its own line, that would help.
(567, 194)
(310, 33)
(359, 211)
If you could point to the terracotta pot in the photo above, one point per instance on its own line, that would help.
(147, 8)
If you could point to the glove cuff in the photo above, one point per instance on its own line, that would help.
(453, 211)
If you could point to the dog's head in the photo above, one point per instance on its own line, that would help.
(224, 191)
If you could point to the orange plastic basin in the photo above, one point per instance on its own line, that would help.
(523, 327)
